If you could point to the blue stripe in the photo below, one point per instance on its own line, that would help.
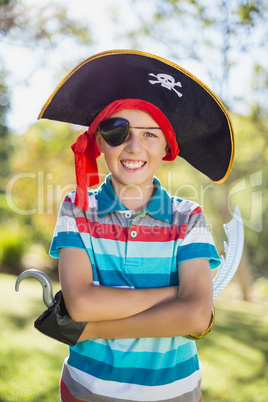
(141, 281)
(109, 247)
(141, 376)
(152, 265)
(114, 278)
(65, 239)
(86, 238)
(199, 250)
(117, 247)
(160, 345)
(149, 249)
(144, 359)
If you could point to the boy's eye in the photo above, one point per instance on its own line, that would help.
(149, 134)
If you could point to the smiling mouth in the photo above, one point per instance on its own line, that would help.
(133, 165)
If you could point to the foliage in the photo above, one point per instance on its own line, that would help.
(234, 354)
(43, 34)
(246, 186)
(42, 174)
(5, 142)
(45, 25)
(250, 184)
(43, 28)
(215, 36)
(13, 245)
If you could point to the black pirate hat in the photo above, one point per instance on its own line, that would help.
(202, 126)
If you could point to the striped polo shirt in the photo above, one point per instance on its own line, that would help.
(134, 251)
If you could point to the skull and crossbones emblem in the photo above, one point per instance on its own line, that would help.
(166, 81)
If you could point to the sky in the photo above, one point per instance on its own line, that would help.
(27, 100)
(24, 65)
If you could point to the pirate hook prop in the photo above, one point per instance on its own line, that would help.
(56, 323)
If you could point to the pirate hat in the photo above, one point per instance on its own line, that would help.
(203, 129)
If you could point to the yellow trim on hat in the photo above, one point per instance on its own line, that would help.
(165, 61)
(232, 152)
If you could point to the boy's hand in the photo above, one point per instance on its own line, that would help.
(56, 323)
(188, 313)
(89, 332)
(88, 302)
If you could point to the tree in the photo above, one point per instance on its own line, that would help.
(215, 37)
(5, 142)
(44, 26)
(42, 34)
(41, 30)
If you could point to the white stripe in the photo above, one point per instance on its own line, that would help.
(194, 206)
(97, 283)
(65, 224)
(184, 206)
(135, 392)
(93, 203)
(198, 235)
(92, 200)
(71, 195)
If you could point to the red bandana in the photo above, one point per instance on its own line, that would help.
(86, 150)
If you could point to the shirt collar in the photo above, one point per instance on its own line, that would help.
(160, 206)
(107, 199)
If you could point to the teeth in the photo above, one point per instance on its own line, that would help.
(133, 165)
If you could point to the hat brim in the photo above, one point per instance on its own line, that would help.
(199, 119)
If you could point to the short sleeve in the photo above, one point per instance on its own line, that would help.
(198, 242)
(66, 233)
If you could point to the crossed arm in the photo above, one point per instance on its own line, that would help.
(116, 313)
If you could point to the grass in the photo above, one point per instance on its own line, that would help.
(30, 363)
(234, 355)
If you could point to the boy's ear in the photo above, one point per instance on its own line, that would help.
(166, 150)
(99, 141)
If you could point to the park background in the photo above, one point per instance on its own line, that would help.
(223, 43)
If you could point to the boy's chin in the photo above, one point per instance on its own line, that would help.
(132, 179)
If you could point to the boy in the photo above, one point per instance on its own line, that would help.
(135, 263)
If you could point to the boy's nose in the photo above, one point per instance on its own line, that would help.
(134, 141)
